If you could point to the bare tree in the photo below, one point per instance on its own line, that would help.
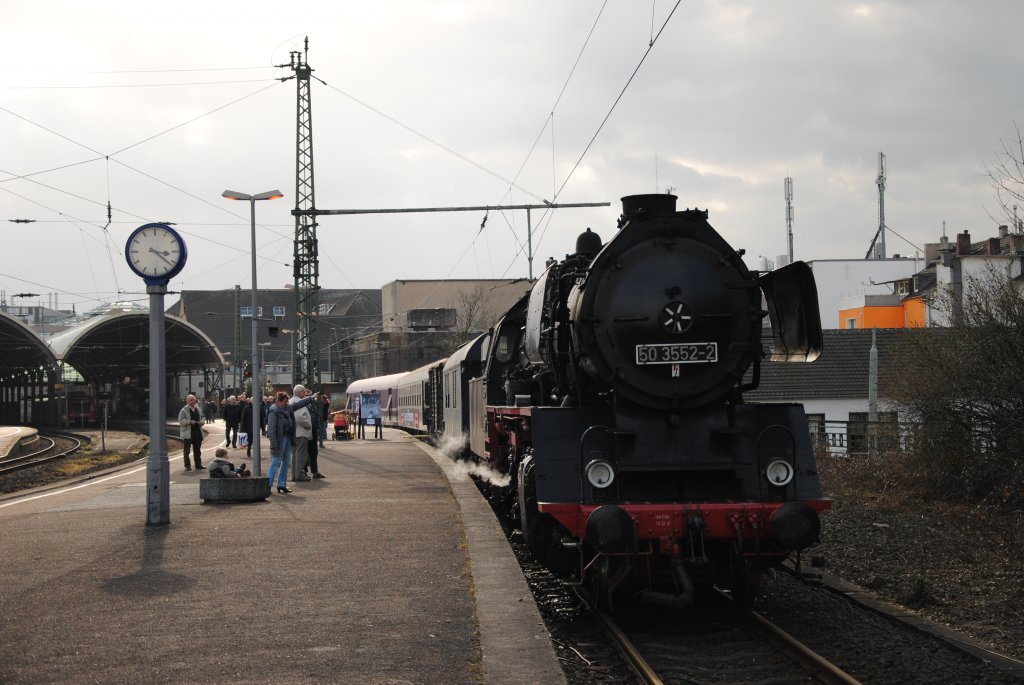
(1006, 175)
(472, 317)
(963, 385)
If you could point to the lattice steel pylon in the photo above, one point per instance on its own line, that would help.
(306, 263)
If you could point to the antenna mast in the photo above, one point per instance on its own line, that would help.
(880, 181)
(788, 186)
(305, 264)
(877, 248)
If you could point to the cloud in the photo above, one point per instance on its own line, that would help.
(735, 96)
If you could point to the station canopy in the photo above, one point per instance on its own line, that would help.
(116, 344)
(21, 348)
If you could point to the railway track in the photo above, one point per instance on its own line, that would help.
(699, 645)
(715, 643)
(50, 448)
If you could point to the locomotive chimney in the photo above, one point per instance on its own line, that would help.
(661, 202)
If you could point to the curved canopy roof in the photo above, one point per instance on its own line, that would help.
(117, 344)
(21, 348)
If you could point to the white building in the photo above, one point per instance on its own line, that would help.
(841, 280)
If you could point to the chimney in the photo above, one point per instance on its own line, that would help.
(993, 245)
(963, 243)
(1004, 231)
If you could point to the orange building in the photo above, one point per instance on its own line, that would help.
(873, 311)
(915, 311)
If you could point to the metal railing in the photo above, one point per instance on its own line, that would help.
(838, 438)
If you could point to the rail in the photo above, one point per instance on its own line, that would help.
(800, 657)
(24, 461)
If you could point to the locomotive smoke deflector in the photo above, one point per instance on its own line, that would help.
(792, 300)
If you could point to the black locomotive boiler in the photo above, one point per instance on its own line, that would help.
(613, 395)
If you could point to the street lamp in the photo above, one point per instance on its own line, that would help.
(254, 433)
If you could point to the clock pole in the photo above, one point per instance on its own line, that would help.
(158, 473)
(156, 253)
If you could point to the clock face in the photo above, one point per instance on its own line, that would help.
(155, 251)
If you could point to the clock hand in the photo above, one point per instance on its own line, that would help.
(160, 254)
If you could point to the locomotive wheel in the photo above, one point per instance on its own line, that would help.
(542, 533)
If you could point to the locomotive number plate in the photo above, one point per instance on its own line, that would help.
(677, 353)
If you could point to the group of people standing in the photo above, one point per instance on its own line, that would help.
(295, 426)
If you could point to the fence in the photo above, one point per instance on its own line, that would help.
(838, 438)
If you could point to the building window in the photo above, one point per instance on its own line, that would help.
(278, 312)
(851, 323)
(431, 319)
(324, 309)
(259, 312)
(816, 426)
(245, 312)
(859, 432)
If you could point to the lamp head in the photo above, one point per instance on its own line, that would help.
(268, 195)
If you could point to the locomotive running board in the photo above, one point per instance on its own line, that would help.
(792, 300)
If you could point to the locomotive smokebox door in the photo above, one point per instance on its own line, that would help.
(792, 300)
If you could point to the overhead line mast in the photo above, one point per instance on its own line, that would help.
(480, 208)
(305, 264)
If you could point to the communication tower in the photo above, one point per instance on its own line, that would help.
(788, 186)
(880, 181)
(305, 263)
(877, 248)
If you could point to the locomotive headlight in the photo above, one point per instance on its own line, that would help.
(779, 472)
(600, 473)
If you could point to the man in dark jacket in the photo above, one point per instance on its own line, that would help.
(268, 402)
(325, 410)
(314, 446)
(245, 423)
(232, 417)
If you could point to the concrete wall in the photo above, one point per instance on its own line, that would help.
(398, 297)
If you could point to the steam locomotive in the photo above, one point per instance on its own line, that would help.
(612, 396)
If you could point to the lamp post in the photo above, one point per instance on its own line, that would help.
(254, 433)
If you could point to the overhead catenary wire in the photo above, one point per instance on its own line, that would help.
(430, 140)
(472, 244)
(136, 85)
(512, 184)
(604, 121)
(107, 158)
(164, 71)
(618, 98)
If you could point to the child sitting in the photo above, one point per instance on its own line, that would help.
(220, 467)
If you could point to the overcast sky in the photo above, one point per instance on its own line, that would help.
(159, 107)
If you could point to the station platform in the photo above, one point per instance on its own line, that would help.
(12, 437)
(389, 571)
